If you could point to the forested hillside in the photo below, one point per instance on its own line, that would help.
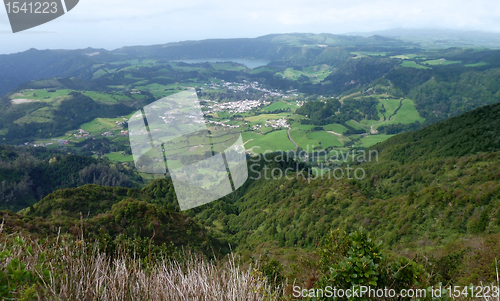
(432, 212)
(442, 192)
(475, 132)
(28, 175)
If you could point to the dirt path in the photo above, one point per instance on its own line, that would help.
(247, 141)
(23, 100)
(332, 132)
(349, 96)
(290, 138)
(373, 131)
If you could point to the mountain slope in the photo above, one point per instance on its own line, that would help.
(112, 212)
(447, 188)
(33, 64)
(19, 68)
(473, 132)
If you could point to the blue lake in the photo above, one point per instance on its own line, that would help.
(247, 62)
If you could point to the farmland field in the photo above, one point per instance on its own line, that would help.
(476, 64)
(373, 139)
(40, 94)
(118, 156)
(100, 125)
(264, 117)
(274, 141)
(412, 64)
(337, 128)
(354, 124)
(390, 106)
(100, 97)
(314, 73)
(302, 139)
(407, 113)
(304, 127)
(440, 62)
(404, 115)
(326, 139)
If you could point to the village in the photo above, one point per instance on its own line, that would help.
(241, 106)
(276, 124)
(244, 87)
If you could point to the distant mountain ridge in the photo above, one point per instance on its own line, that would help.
(33, 64)
(18, 68)
(439, 38)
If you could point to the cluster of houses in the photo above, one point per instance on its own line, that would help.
(81, 134)
(276, 124)
(223, 124)
(243, 87)
(43, 144)
(241, 106)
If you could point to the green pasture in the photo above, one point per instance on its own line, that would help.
(274, 141)
(440, 62)
(354, 124)
(40, 94)
(412, 64)
(303, 141)
(407, 113)
(373, 139)
(314, 73)
(335, 127)
(476, 64)
(326, 139)
(264, 117)
(118, 156)
(100, 125)
(390, 105)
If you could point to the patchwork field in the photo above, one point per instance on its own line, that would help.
(337, 128)
(373, 139)
(314, 73)
(264, 117)
(101, 125)
(326, 139)
(406, 114)
(396, 111)
(303, 141)
(412, 64)
(118, 156)
(45, 95)
(390, 106)
(440, 62)
(274, 141)
(354, 124)
(476, 64)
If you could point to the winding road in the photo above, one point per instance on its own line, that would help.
(290, 138)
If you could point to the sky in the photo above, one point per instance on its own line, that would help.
(112, 24)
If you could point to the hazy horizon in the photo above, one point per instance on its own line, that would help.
(114, 24)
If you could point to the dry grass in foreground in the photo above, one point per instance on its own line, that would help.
(69, 270)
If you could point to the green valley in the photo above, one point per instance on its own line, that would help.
(371, 161)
